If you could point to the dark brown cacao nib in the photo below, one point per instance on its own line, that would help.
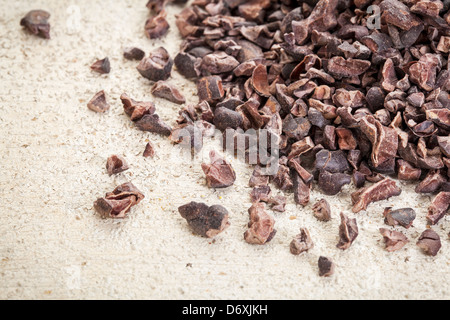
(157, 66)
(348, 231)
(332, 183)
(149, 151)
(382, 190)
(116, 164)
(322, 210)
(204, 220)
(301, 243)
(439, 207)
(394, 240)
(326, 267)
(101, 66)
(430, 242)
(136, 109)
(261, 226)
(219, 173)
(98, 103)
(133, 53)
(152, 123)
(403, 217)
(167, 91)
(36, 22)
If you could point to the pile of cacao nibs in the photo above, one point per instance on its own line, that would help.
(347, 92)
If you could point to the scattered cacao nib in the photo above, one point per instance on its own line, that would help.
(301, 243)
(210, 89)
(345, 68)
(157, 26)
(260, 193)
(152, 123)
(98, 103)
(116, 164)
(278, 203)
(326, 267)
(432, 183)
(394, 240)
(117, 204)
(204, 220)
(149, 151)
(136, 109)
(331, 161)
(302, 190)
(322, 210)
(403, 217)
(261, 225)
(382, 190)
(225, 118)
(283, 178)
(189, 136)
(157, 66)
(36, 22)
(101, 66)
(165, 90)
(219, 173)
(430, 242)
(348, 231)
(407, 172)
(133, 53)
(439, 207)
(257, 178)
(332, 183)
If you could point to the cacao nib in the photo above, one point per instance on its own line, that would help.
(36, 22)
(261, 225)
(204, 220)
(348, 231)
(116, 164)
(167, 91)
(149, 151)
(219, 173)
(152, 123)
(430, 242)
(403, 217)
(326, 267)
(117, 204)
(382, 190)
(101, 66)
(302, 242)
(394, 240)
(133, 53)
(157, 66)
(322, 210)
(439, 207)
(98, 103)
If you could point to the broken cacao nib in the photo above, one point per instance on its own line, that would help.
(302, 242)
(133, 53)
(403, 217)
(98, 103)
(394, 240)
(430, 242)
(152, 123)
(210, 89)
(278, 203)
(382, 190)
(36, 22)
(101, 66)
(332, 183)
(432, 182)
(348, 231)
(439, 207)
(117, 204)
(204, 220)
(149, 151)
(260, 193)
(322, 210)
(165, 90)
(157, 26)
(326, 267)
(157, 66)
(116, 164)
(219, 173)
(257, 178)
(136, 109)
(261, 225)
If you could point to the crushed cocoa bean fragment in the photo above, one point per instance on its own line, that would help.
(116, 164)
(430, 242)
(219, 173)
(394, 240)
(149, 151)
(301, 243)
(439, 207)
(133, 53)
(117, 204)
(261, 226)
(136, 109)
(157, 66)
(102, 66)
(326, 267)
(403, 217)
(206, 221)
(381, 190)
(348, 231)
(36, 22)
(322, 210)
(165, 90)
(98, 103)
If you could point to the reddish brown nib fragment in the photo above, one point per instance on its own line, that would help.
(36, 22)
(261, 225)
(167, 91)
(102, 66)
(157, 26)
(149, 151)
(348, 231)
(98, 103)
(326, 267)
(210, 89)
(118, 203)
(219, 173)
(152, 123)
(394, 240)
(204, 220)
(430, 242)
(439, 207)
(156, 67)
(322, 210)
(116, 164)
(382, 190)
(403, 217)
(301, 243)
(133, 53)
(136, 109)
